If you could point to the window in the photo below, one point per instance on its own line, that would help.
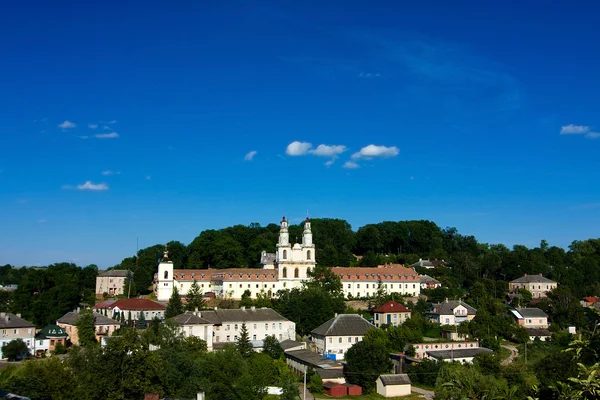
(240, 285)
(296, 273)
(16, 331)
(166, 274)
(367, 285)
(280, 336)
(230, 285)
(414, 286)
(358, 285)
(227, 327)
(540, 321)
(51, 342)
(284, 271)
(377, 317)
(395, 316)
(349, 339)
(285, 254)
(228, 338)
(340, 340)
(235, 327)
(253, 337)
(29, 331)
(447, 321)
(308, 255)
(266, 327)
(254, 326)
(330, 340)
(356, 339)
(349, 286)
(257, 285)
(273, 325)
(281, 325)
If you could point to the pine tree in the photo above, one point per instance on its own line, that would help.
(243, 344)
(194, 299)
(175, 306)
(129, 322)
(141, 322)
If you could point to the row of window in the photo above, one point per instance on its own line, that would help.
(385, 285)
(16, 331)
(284, 255)
(406, 316)
(255, 326)
(235, 338)
(368, 294)
(340, 340)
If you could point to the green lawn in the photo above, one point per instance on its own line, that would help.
(503, 353)
(433, 332)
(412, 396)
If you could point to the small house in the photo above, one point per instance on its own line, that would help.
(48, 338)
(334, 389)
(338, 334)
(393, 385)
(391, 313)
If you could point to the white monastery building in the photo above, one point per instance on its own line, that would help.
(285, 269)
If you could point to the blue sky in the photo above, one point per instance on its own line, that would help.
(152, 120)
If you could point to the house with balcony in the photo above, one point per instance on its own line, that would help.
(13, 327)
(337, 335)
(451, 312)
(391, 313)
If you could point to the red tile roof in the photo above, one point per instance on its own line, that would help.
(387, 273)
(226, 275)
(391, 307)
(134, 304)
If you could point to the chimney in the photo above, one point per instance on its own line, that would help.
(78, 310)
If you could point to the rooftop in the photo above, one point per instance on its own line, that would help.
(51, 331)
(226, 275)
(308, 357)
(116, 273)
(532, 279)
(219, 316)
(70, 318)
(290, 344)
(530, 313)
(447, 307)
(458, 353)
(344, 325)
(391, 307)
(387, 273)
(133, 304)
(427, 279)
(190, 318)
(395, 379)
(9, 320)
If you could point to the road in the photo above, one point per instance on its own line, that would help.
(514, 353)
(427, 393)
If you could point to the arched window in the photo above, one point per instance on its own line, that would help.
(308, 255)
(166, 274)
(296, 273)
(284, 271)
(285, 254)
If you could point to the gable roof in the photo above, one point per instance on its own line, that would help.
(427, 279)
(290, 344)
(394, 379)
(447, 307)
(70, 318)
(219, 316)
(385, 273)
(390, 307)
(532, 279)
(531, 313)
(51, 331)
(429, 263)
(344, 325)
(10, 320)
(458, 353)
(133, 304)
(190, 318)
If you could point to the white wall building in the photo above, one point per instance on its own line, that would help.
(192, 324)
(285, 269)
(13, 327)
(340, 333)
(451, 312)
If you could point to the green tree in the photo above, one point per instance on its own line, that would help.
(85, 328)
(15, 349)
(243, 343)
(365, 361)
(141, 321)
(194, 298)
(314, 382)
(174, 306)
(272, 347)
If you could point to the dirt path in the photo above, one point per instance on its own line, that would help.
(514, 353)
(427, 393)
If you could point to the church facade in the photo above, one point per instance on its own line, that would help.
(287, 268)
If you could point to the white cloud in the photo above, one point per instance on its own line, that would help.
(111, 122)
(592, 135)
(107, 128)
(372, 150)
(83, 137)
(112, 135)
(297, 148)
(42, 220)
(88, 185)
(351, 165)
(329, 163)
(93, 126)
(573, 129)
(107, 172)
(67, 125)
(250, 155)
(324, 150)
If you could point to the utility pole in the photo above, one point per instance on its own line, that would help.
(305, 368)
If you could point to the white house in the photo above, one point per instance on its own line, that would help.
(288, 268)
(451, 312)
(260, 323)
(393, 385)
(192, 324)
(537, 285)
(427, 282)
(534, 320)
(338, 334)
(13, 327)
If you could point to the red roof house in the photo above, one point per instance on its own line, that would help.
(391, 313)
(133, 309)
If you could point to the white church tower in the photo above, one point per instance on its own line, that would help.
(294, 262)
(165, 278)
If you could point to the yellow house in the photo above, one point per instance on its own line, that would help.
(391, 313)
(393, 385)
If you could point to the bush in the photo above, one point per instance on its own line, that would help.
(15, 350)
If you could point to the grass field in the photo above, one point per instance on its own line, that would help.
(412, 396)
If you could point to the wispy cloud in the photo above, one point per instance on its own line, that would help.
(324, 150)
(109, 172)
(573, 129)
(372, 151)
(88, 185)
(67, 125)
(93, 126)
(42, 221)
(350, 165)
(250, 155)
(329, 163)
(111, 135)
(584, 130)
(298, 148)
(369, 75)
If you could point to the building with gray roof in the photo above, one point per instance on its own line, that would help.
(338, 334)
(538, 285)
(451, 312)
(13, 327)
